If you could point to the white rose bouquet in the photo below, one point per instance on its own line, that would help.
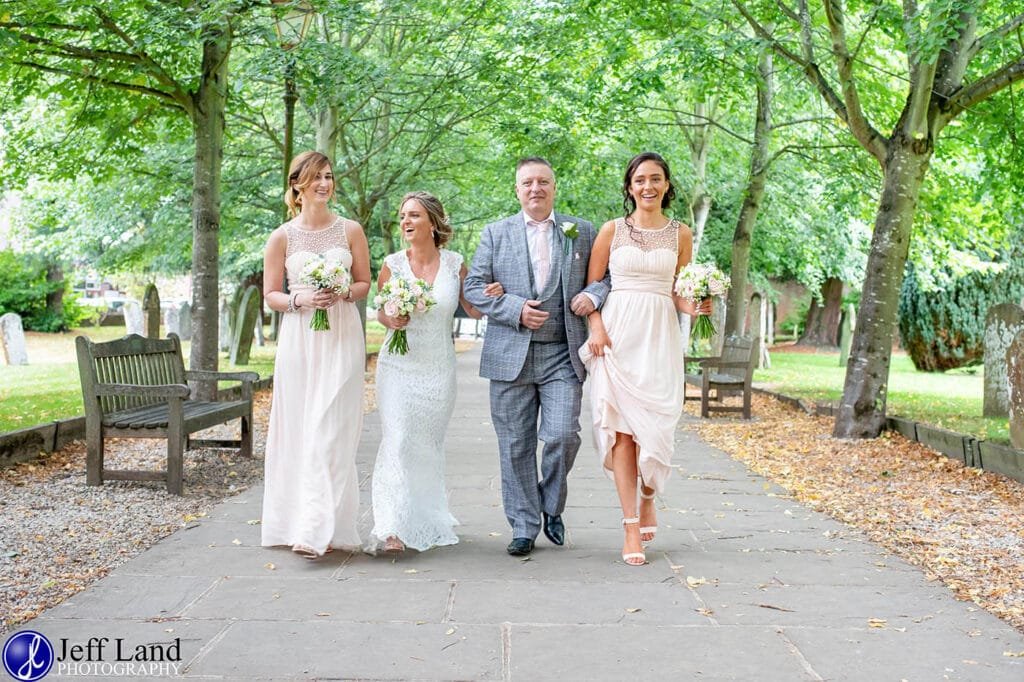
(399, 297)
(320, 273)
(697, 281)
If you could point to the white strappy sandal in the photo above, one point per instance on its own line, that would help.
(633, 555)
(644, 530)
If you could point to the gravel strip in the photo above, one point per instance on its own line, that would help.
(58, 535)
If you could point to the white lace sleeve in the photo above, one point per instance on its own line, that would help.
(454, 261)
(394, 263)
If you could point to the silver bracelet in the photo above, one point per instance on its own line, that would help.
(292, 307)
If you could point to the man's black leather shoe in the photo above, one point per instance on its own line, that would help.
(554, 529)
(520, 546)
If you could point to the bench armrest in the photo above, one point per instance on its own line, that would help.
(151, 391)
(205, 375)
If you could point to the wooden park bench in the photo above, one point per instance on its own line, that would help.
(136, 387)
(728, 374)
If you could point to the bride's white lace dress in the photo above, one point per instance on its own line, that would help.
(415, 396)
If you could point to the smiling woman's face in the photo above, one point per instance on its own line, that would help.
(648, 185)
(414, 222)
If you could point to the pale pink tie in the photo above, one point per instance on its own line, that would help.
(542, 253)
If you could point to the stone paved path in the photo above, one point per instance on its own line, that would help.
(743, 584)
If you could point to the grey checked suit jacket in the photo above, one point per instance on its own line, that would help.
(503, 256)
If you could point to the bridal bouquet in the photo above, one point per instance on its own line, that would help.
(399, 297)
(697, 281)
(320, 273)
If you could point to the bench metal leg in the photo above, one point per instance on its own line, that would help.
(746, 402)
(94, 455)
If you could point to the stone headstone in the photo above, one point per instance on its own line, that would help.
(718, 319)
(224, 326)
(248, 314)
(1015, 382)
(151, 310)
(172, 321)
(233, 308)
(185, 321)
(846, 327)
(132, 317)
(260, 341)
(12, 338)
(761, 306)
(1002, 322)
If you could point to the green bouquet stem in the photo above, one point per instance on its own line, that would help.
(399, 343)
(703, 327)
(319, 322)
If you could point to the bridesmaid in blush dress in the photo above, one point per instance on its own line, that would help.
(632, 355)
(311, 489)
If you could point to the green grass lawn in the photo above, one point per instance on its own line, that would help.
(49, 388)
(951, 400)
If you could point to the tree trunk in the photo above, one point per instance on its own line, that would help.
(736, 306)
(55, 298)
(327, 133)
(823, 318)
(862, 411)
(208, 127)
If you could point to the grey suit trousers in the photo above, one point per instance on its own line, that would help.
(547, 385)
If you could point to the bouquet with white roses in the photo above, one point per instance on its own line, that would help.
(697, 281)
(321, 273)
(399, 297)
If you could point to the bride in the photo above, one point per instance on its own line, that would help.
(416, 391)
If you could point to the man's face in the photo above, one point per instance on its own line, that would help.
(535, 188)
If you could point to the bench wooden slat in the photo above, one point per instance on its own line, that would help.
(137, 363)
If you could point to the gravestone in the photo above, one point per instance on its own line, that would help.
(1015, 376)
(172, 321)
(260, 341)
(185, 321)
(846, 327)
(233, 309)
(248, 313)
(151, 309)
(759, 328)
(1002, 322)
(12, 338)
(224, 326)
(718, 319)
(132, 317)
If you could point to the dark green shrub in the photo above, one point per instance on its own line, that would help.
(945, 328)
(24, 288)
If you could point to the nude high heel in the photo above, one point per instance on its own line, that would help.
(633, 555)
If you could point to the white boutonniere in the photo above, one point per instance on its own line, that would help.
(570, 231)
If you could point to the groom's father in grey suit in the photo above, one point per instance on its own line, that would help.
(534, 331)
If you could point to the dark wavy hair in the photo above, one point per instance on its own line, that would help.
(628, 202)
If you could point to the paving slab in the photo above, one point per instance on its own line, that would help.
(742, 583)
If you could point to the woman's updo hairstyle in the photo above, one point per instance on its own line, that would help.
(301, 175)
(442, 227)
(628, 202)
